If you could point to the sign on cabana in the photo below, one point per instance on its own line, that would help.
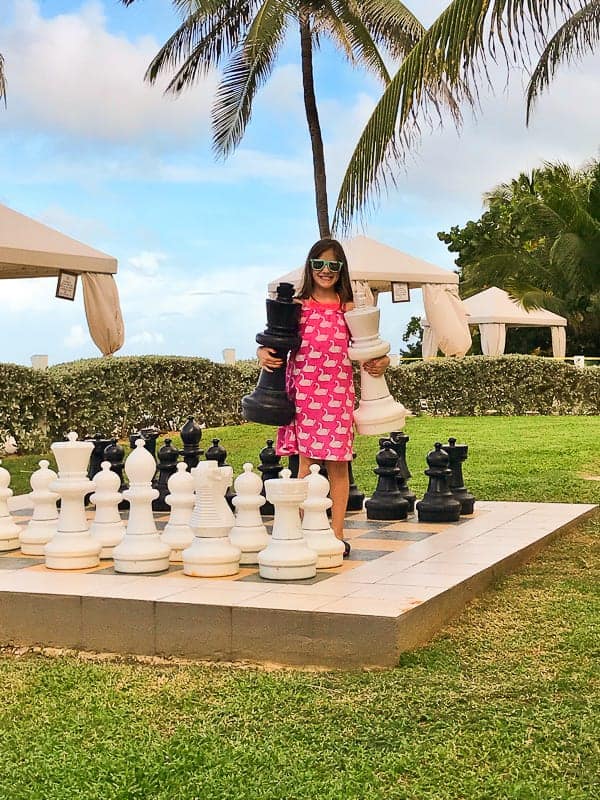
(400, 292)
(66, 285)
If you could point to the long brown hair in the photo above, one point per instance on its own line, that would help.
(342, 286)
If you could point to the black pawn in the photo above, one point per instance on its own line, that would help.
(218, 453)
(294, 464)
(191, 433)
(399, 441)
(356, 498)
(438, 503)
(96, 458)
(386, 502)
(167, 466)
(457, 454)
(115, 455)
(269, 467)
(150, 436)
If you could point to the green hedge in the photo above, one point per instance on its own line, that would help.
(477, 385)
(120, 395)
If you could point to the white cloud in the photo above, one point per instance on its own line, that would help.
(69, 75)
(148, 263)
(146, 338)
(76, 337)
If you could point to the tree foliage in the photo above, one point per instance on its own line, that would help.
(539, 239)
(456, 50)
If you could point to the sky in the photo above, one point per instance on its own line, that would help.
(88, 148)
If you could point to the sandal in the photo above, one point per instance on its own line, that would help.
(347, 548)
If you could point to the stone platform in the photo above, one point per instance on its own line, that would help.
(403, 582)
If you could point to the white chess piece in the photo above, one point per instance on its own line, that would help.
(248, 533)
(211, 554)
(315, 525)
(177, 533)
(287, 557)
(107, 528)
(44, 521)
(9, 530)
(377, 410)
(72, 547)
(141, 549)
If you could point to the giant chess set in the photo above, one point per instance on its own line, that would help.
(187, 560)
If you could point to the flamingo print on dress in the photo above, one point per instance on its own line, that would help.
(319, 376)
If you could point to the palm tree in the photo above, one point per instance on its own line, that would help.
(540, 240)
(456, 49)
(246, 36)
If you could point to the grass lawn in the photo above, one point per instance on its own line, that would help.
(504, 704)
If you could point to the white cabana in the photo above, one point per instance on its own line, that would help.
(493, 310)
(29, 249)
(380, 265)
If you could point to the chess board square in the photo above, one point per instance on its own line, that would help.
(110, 570)
(18, 562)
(367, 555)
(255, 578)
(365, 523)
(394, 535)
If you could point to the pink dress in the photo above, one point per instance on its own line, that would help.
(319, 382)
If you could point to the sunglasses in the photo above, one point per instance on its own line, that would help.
(319, 264)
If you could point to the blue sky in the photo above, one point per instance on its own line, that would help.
(90, 149)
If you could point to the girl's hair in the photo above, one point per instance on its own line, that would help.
(342, 286)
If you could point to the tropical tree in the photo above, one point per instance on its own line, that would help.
(457, 50)
(245, 36)
(540, 240)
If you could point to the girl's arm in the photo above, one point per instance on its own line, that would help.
(267, 360)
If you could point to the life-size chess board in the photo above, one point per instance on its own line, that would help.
(402, 582)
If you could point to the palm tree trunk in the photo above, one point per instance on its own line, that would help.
(312, 117)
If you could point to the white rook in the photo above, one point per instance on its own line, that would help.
(377, 410)
(287, 556)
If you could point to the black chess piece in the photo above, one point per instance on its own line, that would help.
(216, 452)
(115, 454)
(269, 403)
(386, 501)
(149, 435)
(356, 498)
(457, 454)
(96, 458)
(438, 503)
(294, 464)
(399, 441)
(270, 466)
(191, 433)
(168, 457)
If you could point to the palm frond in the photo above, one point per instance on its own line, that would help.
(391, 24)
(349, 31)
(574, 39)
(455, 50)
(247, 70)
(2, 80)
(211, 31)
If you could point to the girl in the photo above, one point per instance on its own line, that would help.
(319, 376)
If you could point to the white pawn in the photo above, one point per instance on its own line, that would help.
(42, 525)
(287, 556)
(72, 547)
(9, 530)
(211, 554)
(315, 525)
(248, 533)
(141, 549)
(177, 533)
(108, 527)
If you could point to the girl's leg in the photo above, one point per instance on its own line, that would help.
(304, 465)
(339, 487)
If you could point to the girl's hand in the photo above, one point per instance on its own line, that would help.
(377, 366)
(267, 359)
